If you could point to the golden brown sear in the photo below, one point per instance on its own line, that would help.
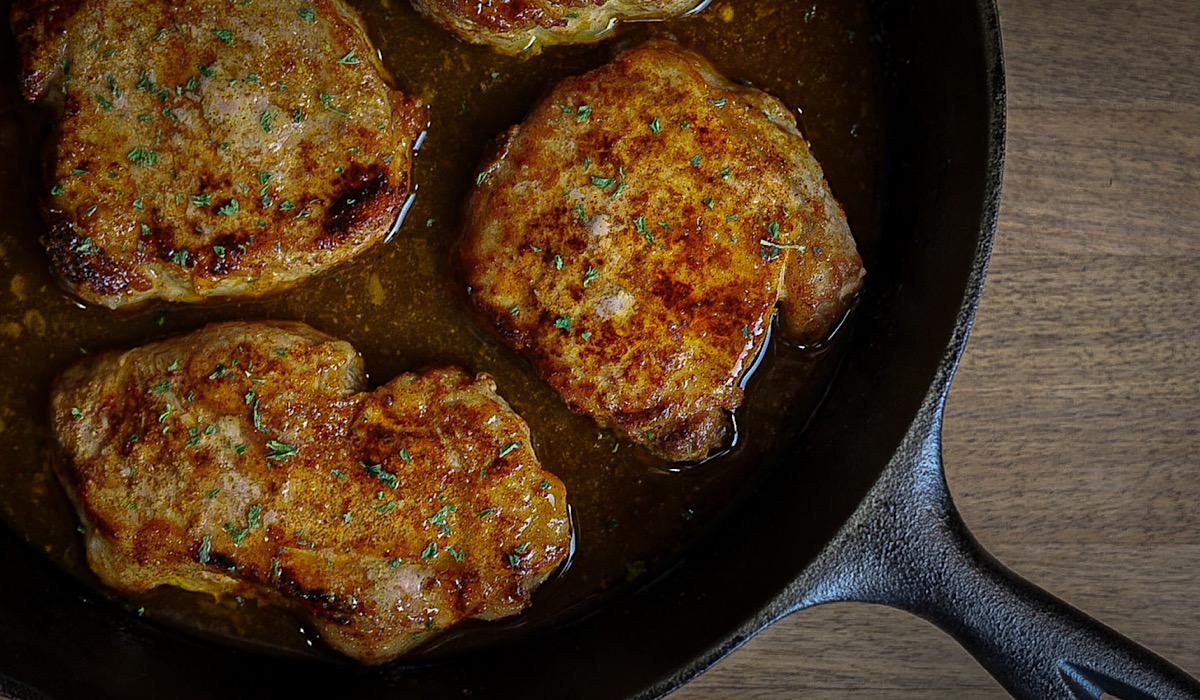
(513, 26)
(248, 459)
(633, 237)
(211, 147)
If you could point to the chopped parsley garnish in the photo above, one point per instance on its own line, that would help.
(162, 386)
(603, 182)
(205, 548)
(563, 322)
(510, 447)
(439, 518)
(430, 551)
(349, 59)
(582, 113)
(224, 35)
(656, 126)
(590, 276)
(377, 471)
(326, 102)
(279, 451)
(307, 14)
(76, 413)
(143, 156)
(264, 120)
(229, 209)
(237, 534)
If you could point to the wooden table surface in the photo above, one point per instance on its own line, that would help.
(1072, 437)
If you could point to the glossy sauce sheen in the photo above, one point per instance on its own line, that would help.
(398, 304)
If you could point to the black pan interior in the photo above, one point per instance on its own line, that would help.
(55, 637)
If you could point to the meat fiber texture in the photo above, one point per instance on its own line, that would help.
(514, 26)
(211, 147)
(633, 237)
(249, 459)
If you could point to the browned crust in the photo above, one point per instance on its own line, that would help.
(635, 252)
(199, 167)
(167, 453)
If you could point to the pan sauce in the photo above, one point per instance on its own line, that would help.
(398, 306)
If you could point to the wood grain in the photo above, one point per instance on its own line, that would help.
(1072, 438)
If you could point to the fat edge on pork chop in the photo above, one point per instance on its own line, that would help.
(211, 147)
(633, 237)
(250, 459)
(514, 26)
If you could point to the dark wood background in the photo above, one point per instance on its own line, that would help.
(1072, 438)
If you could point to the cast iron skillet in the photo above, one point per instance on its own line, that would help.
(867, 518)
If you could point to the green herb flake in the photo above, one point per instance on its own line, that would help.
(224, 35)
(563, 322)
(205, 549)
(349, 59)
(582, 113)
(161, 33)
(264, 121)
(56, 190)
(76, 413)
(656, 126)
(252, 517)
(143, 156)
(603, 182)
(162, 386)
(377, 471)
(229, 209)
(430, 551)
(695, 161)
(326, 102)
(590, 276)
(219, 372)
(510, 447)
(279, 451)
(104, 104)
(307, 14)
(237, 534)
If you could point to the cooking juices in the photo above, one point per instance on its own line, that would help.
(399, 306)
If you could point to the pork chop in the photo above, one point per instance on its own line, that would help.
(633, 237)
(211, 147)
(519, 25)
(249, 459)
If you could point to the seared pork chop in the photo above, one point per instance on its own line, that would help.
(513, 26)
(211, 147)
(248, 459)
(633, 237)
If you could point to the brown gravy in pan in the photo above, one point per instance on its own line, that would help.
(398, 305)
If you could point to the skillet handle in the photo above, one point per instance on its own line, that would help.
(907, 547)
